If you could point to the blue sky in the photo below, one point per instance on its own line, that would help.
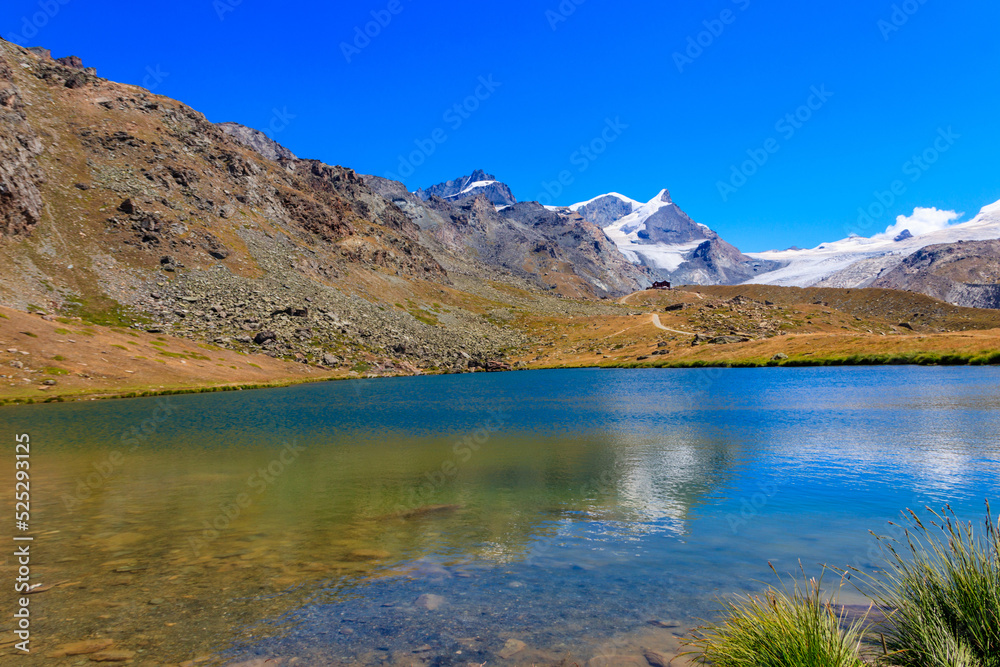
(594, 94)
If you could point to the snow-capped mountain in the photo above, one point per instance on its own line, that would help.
(464, 187)
(659, 235)
(661, 240)
(857, 261)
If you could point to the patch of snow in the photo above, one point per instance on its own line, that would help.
(470, 187)
(808, 267)
(665, 256)
(628, 200)
(992, 208)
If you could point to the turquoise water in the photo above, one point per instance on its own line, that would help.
(564, 509)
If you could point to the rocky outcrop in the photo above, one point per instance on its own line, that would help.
(605, 210)
(715, 262)
(20, 174)
(966, 273)
(478, 184)
(258, 141)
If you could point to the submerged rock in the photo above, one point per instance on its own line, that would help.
(511, 648)
(430, 601)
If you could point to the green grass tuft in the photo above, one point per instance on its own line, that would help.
(781, 628)
(943, 581)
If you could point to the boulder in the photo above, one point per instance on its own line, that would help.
(656, 659)
(511, 648)
(264, 337)
(430, 602)
(214, 247)
(727, 340)
(77, 80)
(73, 62)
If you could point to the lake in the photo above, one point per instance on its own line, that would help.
(443, 520)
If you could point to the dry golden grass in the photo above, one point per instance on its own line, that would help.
(94, 361)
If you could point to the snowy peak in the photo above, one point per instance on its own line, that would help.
(991, 209)
(662, 237)
(474, 185)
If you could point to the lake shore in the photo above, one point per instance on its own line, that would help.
(54, 360)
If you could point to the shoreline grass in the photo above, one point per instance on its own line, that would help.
(909, 359)
(942, 581)
(782, 628)
(901, 359)
(939, 587)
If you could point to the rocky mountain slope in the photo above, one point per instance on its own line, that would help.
(258, 141)
(20, 173)
(554, 250)
(465, 187)
(966, 273)
(131, 209)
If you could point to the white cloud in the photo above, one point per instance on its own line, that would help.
(923, 221)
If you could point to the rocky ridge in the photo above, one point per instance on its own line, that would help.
(132, 209)
(258, 141)
(966, 273)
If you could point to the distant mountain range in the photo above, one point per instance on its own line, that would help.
(666, 244)
(124, 204)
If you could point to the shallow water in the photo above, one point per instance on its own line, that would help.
(564, 509)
